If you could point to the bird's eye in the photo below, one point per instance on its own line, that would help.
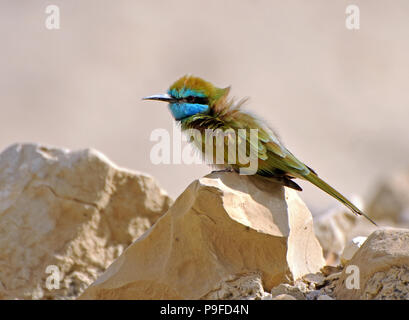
(190, 99)
(198, 100)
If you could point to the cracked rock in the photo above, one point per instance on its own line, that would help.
(221, 226)
(241, 287)
(336, 227)
(380, 268)
(287, 289)
(65, 216)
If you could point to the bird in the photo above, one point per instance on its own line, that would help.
(197, 104)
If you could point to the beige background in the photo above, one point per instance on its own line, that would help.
(339, 98)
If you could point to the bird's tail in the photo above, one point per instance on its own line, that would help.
(314, 179)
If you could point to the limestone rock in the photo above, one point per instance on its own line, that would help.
(390, 199)
(392, 284)
(249, 287)
(67, 212)
(382, 263)
(287, 289)
(311, 286)
(338, 226)
(221, 227)
(284, 297)
(351, 248)
(316, 279)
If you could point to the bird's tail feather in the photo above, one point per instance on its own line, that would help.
(314, 179)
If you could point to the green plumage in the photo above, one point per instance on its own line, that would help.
(274, 160)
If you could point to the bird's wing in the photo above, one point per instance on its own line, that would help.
(271, 152)
(242, 123)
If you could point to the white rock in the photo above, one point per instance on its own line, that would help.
(222, 227)
(73, 210)
(379, 269)
(350, 249)
(325, 297)
(284, 297)
(335, 228)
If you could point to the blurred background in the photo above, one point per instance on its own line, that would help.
(339, 98)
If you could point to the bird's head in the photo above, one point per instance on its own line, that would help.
(191, 95)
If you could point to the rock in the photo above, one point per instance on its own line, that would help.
(351, 248)
(378, 270)
(287, 289)
(330, 270)
(338, 226)
(311, 286)
(315, 279)
(69, 214)
(333, 276)
(389, 285)
(221, 227)
(284, 297)
(313, 295)
(249, 287)
(325, 297)
(390, 199)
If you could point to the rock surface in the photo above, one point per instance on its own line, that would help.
(283, 297)
(351, 248)
(222, 228)
(338, 226)
(381, 267)
(72, 214)
(75, 211)
(312, 286)
(248, 287)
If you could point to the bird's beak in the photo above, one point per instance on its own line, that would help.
(160, 97)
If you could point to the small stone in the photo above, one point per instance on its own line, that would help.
(333, 276)
(313, 295)
(301, 286)
(327, 270)
(317, 279)
(325, 297)
(284, 297)
(285, 288)
(248, 287)
(405, 277)
(351, 248)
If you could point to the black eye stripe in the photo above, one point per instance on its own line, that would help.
(193, 99)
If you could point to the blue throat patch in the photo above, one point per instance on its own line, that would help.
(184, 110)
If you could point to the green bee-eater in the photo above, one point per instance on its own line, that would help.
(198, 104)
